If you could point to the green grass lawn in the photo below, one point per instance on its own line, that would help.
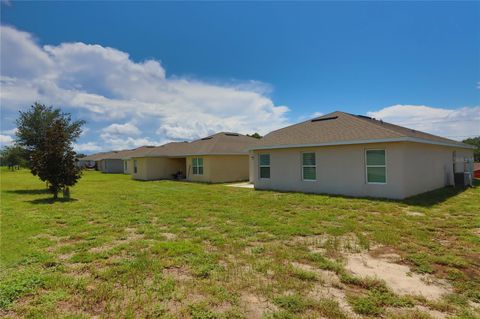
(129, 249)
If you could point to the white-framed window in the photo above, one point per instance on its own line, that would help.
(197, 165)
(309, 166)
(135, 166)
(264, 166)
(376, 166)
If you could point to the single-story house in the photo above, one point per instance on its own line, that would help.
(128, 161)
(355, 155)
(108, 162)
(219, 158)
(160, 162)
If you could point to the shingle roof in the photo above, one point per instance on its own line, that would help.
(169, 149)
(344, 128)
(223, 143)
(116, 154)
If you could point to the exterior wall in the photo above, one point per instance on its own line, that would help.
(155, 168)
(430, 166)
(339, 170)
(412, 168)
(220, 169)
(129, 168)
(112, 166)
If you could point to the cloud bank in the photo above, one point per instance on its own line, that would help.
(130, 103)
(456, 124)
(107, 87)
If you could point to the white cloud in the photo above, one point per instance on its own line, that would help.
(122, 129)
(5, 140)
(456, 124)
(87, 147)
(104, 84)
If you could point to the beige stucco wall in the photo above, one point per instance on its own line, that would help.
(129, 163)
(220, 169)
(412, 168)
(429, 167)
(154, 168)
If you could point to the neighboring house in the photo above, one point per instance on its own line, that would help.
(354, 155)
(219, 158)
(128, 161)
(476, 170)
(85, 163)
(161, 162)
(93, 160)
(108, 162)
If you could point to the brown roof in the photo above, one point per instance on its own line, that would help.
(223, 143)
(344, 128)
(116, 154)
(169, 149)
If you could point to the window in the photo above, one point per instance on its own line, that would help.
(197, 164)
(376, 166)
(264, 164)
(309, 167)
(125, 166)
(135, 168)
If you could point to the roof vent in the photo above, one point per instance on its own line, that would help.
(206, 138)
(150, 146)
(324, 119)
(231, 134)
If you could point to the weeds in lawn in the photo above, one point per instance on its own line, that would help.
(170, 249)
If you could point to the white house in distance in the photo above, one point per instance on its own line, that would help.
(354, 155)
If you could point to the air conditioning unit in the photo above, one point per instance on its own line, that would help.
(463, 179)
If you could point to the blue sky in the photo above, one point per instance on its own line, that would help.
(183, 70)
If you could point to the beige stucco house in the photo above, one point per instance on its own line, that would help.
(219, 158)
(160, 162)
(127, 157)
(353, 155)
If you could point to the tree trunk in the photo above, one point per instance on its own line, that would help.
(55, 194)
(66, 192)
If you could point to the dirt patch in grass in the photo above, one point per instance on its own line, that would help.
(419, 312)
(413, 213)
(328, 286)
(169, 236)
(326, 277)
(255, 306)
(398, 277)
(178, 273)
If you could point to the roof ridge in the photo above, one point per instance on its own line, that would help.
(307, 120)
(375, 123)
(379, 123)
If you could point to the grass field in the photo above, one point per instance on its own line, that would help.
(128, 249)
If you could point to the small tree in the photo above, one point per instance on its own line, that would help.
(48, 134)
(14, 156)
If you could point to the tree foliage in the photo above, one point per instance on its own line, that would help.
(255, 135)
(14, 156)
(47, 134)
(475, 141)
